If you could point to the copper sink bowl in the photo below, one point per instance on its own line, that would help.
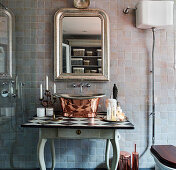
(80, 105)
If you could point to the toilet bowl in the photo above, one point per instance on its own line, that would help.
(164, 157)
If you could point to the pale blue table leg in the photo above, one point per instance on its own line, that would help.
(53, 154)
(116, 151)
(107, 153)
(40, 153)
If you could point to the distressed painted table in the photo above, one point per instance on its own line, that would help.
(78, 128)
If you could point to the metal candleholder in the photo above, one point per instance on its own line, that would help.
(48, 100)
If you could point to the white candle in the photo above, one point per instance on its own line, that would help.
(54, 88)
(40, 112)
(41, 92)
(49, 111)
(46, 82)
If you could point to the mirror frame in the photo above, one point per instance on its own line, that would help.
(9, 75)
(58, 37)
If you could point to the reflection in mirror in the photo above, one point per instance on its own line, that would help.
(82, 45)
(4, 43)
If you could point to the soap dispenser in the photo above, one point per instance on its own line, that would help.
(115, 92)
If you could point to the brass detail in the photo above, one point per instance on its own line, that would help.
(78, 132)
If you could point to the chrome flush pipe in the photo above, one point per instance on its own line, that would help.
(153, 87)
(127, 10)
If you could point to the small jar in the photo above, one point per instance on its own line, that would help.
(87, 62)
(99, 61)
(100, 70)
(49, 111)
(93, 71)
(87, 71)
(41, 112)
(76, 61)
(89, 53)
(78, 52)
(78, 70)
(99, 52)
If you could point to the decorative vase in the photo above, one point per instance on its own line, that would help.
(81, 4)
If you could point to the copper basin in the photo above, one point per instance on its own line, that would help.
(80, 105)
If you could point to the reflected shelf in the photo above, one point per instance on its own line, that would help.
(90, 66)
(86, 56)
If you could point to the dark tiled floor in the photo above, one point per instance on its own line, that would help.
(78, 169)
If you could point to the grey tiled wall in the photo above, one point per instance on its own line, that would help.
(130, 70)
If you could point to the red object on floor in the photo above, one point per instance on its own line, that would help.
(135, 160)
(124, 161)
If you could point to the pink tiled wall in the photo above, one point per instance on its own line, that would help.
(130, 66)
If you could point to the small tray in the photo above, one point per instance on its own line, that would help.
(56, 119)
(37, 121)
(45, 121)
(117, 121)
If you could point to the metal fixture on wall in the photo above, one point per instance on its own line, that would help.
(149, 17)
(127, 10)
(81, 4)
(3, 6)
(81, 85)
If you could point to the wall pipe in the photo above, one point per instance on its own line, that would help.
(153, 87)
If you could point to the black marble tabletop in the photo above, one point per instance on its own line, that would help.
(84, 123)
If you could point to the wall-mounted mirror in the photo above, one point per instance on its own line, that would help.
(81, 44)
(6, 44)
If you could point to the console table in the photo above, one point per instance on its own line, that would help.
(78, 128)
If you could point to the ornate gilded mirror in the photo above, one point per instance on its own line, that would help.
(81, 48)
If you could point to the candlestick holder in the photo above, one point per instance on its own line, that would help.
(48, 99)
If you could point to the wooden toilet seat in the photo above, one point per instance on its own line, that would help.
(166, 154)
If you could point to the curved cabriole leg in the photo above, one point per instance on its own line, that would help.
(53, 154)
(107, 153)
(116, 150)
(40, 153)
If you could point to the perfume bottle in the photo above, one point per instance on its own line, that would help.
(114, 110)
(109, 112)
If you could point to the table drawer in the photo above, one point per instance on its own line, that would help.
(85, 133)
(50, 133)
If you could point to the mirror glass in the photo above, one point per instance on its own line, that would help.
(82, 45)
(4, 43)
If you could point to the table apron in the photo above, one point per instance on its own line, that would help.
(51, 133)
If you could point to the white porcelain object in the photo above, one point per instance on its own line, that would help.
(154, 14)
(49, 111)
(109, 113)
(113, 104)
(41, 112)
(160, 166)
